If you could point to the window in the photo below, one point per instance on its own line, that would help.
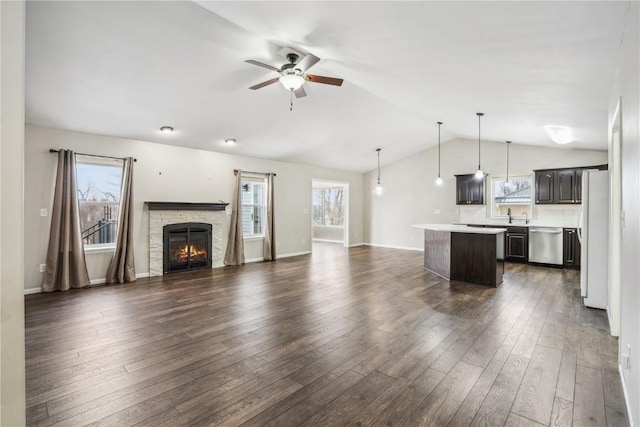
(514, 195)
(99, 181)
(328, 206)
(253, 206)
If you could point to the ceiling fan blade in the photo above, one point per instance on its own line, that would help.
(260, 64)
(307, 62)
(263, 84)
(300, 92)
(325, 80)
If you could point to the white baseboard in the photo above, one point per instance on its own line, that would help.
(626, 396)
(355, 245)
(250, 260)
(293, 254)
(404, 248)
(328, 241)
(93, 282)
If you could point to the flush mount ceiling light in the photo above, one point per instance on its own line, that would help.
(378, 190)
(166, 129)
(559, 134)
(479, 173)
(230, 141)
(439, 180)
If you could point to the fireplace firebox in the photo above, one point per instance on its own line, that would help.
(186, 246)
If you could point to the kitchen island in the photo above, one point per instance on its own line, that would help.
(467, 254)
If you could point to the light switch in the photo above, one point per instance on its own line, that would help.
(305, 211)
(43, 212)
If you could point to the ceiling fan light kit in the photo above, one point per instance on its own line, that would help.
(292, 81)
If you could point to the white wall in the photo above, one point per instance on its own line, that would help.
(627, 89)
(12, 377)
(169, 173)
(412, 197)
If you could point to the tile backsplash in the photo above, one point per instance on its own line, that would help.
(556, 215)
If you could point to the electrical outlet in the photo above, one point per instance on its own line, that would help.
(304, 241)
(436, 211)
(43, 267)
(43, 212)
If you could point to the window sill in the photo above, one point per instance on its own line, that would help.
(250, 238)
(99, 249)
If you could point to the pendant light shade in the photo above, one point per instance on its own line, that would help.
(378, 190)
(439, 180)
(479, 173)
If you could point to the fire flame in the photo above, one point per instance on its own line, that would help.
(183, 253)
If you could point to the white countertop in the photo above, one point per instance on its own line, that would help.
(458, 228)
(520, 223)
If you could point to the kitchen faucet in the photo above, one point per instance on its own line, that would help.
(509, 215)
(526, 218)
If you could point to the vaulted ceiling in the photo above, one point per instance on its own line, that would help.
(127, 68)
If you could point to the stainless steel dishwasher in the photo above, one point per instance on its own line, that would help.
(545, 245)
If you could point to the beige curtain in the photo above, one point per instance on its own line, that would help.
(235, 246)
(122, 267)
(269, 227)
(66, 265)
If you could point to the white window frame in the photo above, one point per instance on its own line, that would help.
(263, 180)
(492, 198)
(105, 161)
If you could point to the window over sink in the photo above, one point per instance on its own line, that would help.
(514, 195)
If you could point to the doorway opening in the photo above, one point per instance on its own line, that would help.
(329, 212)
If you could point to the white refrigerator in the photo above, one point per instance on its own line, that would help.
(593, 233)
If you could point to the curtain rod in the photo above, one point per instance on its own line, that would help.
(256, 173)
(53, 150)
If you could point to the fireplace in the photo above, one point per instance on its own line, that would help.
(186, 246)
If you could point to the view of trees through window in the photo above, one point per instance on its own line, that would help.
(514, 194)
(98, 186)
(253, 207)
(328, 206)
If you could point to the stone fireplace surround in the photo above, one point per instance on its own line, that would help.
(166, 213)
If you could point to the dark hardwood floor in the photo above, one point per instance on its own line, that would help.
(343, 337)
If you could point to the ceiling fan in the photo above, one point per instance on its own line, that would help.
(293, 76)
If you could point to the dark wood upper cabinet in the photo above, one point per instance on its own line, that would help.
(565, 186)
(579, 185)
(560, 186)
(545, 182)
(469, 190)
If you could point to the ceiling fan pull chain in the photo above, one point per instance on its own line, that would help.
(290, 99)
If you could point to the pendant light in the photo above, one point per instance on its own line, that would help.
(439, 180)
(378, 190)
(479, 173)
(507, 183)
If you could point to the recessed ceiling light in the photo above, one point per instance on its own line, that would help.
(559, 134)
(166, 129)
(230, 141)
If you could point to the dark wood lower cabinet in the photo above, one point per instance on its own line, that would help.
(571, 248)
(517, 244)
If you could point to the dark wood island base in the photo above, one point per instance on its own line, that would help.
(464, 254)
